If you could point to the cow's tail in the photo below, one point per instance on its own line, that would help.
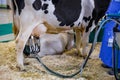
(13, 6)
(16, 28)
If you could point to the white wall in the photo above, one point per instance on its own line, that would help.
(3, 2)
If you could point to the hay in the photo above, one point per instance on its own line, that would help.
(66, 64)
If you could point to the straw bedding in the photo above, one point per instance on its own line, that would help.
(65, 64)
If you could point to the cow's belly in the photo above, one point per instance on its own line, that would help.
(52, 20)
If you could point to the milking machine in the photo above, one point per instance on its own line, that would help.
(33, 47)
(116, 48)
(115, 42)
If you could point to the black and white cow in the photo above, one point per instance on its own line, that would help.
(29, 14)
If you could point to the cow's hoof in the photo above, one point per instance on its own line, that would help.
(71, 51)
(80, 53)
(84, 55)
(21, 68)
(26, 63)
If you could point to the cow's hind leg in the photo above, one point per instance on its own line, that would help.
(20, 44)
(85, 40)
(78, 41)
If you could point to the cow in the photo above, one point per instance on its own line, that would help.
(29, 14)
(51, 44)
